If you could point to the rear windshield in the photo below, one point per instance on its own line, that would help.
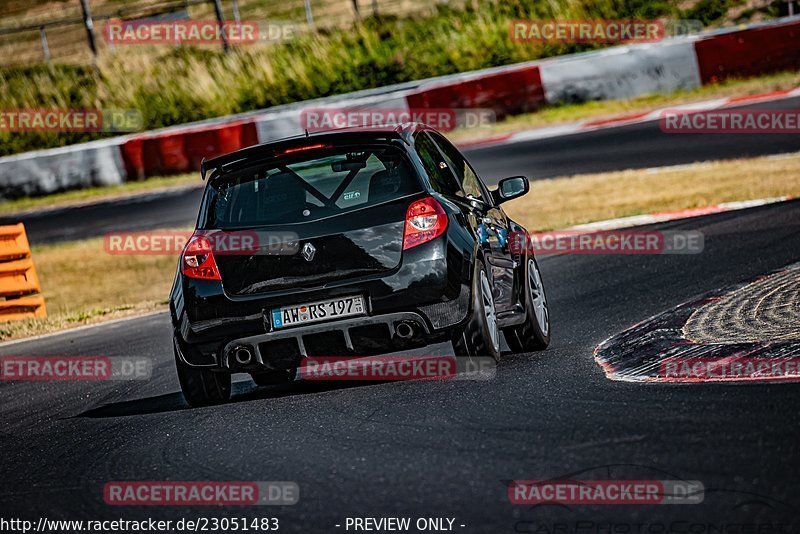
(308, 186)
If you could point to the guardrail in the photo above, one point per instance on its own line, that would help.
(19, 284)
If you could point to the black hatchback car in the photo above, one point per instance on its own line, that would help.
(348, 243)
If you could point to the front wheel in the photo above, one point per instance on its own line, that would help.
(480, 336)
(201, 387)
(534, 333)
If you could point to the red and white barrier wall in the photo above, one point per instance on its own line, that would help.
(182, 150)
(613, 73)
(621, 72)
(751, 51)
(98, 163)
(507, 90)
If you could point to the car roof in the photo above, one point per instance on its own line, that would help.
(231, 161)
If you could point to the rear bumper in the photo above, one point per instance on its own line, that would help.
(285, 349)
(427, 291)
(347, 329)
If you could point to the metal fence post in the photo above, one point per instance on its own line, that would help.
(110, 42)
(309, 15)
(221, 22)
(45, 48)
(87, 21)
(236, 11)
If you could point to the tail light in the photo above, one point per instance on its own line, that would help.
(197, 259)
(425, 220)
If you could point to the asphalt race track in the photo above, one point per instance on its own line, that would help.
(438, 449)
(635, 146)
(627, 147)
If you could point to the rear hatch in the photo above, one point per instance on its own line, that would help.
(313, 215)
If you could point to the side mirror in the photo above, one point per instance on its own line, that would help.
(509, 188)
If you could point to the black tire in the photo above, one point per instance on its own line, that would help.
(201, 387)
(530, 336)
(475, 338)
(273, 378)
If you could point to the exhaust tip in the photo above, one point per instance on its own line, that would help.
(404, 330)
(243, 355)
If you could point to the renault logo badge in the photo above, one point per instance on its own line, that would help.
(309, 251)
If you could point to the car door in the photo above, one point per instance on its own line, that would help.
(492, 221)
(444, 181)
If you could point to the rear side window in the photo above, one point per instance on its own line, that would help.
(441, 177)
(465, 174)
(307, 187)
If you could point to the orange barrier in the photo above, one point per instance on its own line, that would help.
(19, 284)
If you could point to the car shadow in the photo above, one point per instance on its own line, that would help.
(243, 391)
(170, 402)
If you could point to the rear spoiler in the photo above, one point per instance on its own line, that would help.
(210, 167)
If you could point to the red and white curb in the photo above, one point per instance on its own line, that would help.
(628, 119)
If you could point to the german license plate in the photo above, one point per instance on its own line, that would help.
(318, 311)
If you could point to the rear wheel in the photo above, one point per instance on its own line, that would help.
(534, 333)
(480, 336)
(201, 387)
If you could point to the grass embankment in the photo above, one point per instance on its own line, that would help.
(568, 201)
(171, 85)
(545, 117)
(82, 284)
